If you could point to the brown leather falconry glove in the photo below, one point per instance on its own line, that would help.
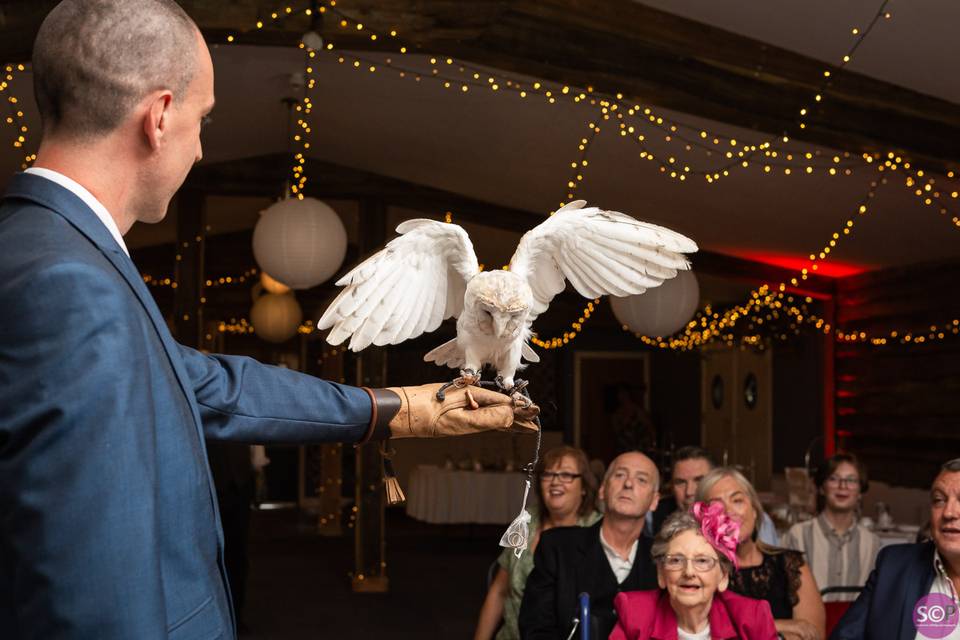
(415, 412)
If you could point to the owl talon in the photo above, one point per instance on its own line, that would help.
(467, 378)
(520, 400)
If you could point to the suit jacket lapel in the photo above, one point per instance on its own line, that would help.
(66, 204)
(596, 571)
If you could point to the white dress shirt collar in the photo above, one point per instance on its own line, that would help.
(88, 199)
(621, 567)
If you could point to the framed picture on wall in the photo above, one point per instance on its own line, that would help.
(611, 403)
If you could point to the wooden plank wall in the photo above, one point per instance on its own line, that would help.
(898, 405)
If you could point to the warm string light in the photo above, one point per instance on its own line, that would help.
(932, 333)
(826, 79)
(210, 283)
(301, 136)
(708, 326)
(793, 162)
(805, 163)
(575, 329)
(579, 165)
(243, 326)
(15, 115)
(926, 190)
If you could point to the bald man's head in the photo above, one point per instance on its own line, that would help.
(94, 60)
(630, 486)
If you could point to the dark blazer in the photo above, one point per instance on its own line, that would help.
(567, 562)
(884, 610)
(108, 519)
(648, 615)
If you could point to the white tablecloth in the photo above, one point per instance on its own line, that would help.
(440, 496)
(895, 536)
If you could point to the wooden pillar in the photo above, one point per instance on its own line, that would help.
(188, 269)
(370, 567)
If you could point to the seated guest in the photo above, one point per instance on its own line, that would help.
(690, 465)
(905, 573)
(567, 492)
(695, 552)
(779, 576)
(602, 560)
(839, 550)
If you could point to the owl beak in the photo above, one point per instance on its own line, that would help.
(499, 325)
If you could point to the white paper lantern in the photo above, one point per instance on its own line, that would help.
(301, 243)
(275, 317)
(661, 311)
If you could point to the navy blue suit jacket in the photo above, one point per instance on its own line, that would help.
(108, 518)
(884, 610)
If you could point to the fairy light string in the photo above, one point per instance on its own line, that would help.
(469, 76)
(828, 75)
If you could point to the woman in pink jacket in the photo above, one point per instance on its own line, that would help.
(695, 554)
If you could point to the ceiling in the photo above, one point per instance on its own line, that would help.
(497, 147)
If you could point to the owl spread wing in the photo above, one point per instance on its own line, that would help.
(599, 252)
(407, 288)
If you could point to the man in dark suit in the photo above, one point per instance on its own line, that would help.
(108, 519)
(602, 560)
(909, 576)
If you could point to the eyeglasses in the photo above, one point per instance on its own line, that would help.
(849, 481)
(701, 564)
(565, 477)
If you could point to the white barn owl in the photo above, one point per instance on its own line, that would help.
(430, 273)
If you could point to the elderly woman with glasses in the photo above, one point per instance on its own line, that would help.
(695, 552)
(567, 494)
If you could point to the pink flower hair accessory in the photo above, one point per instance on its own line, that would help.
(719, 529)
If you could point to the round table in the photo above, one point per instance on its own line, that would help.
(446, 496)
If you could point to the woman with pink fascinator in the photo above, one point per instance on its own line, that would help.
(695, 553)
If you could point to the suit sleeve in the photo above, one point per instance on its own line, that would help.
(243, 400)
(853, 624)
(77, 477)
(537, 619)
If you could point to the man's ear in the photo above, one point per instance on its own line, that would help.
(157, 118)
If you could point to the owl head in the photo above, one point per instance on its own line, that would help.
(501, 302)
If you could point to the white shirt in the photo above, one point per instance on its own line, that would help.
(88, 199)
(621, 568)
(702, 635)
(944, 586)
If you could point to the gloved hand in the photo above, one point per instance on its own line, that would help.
(415, 412)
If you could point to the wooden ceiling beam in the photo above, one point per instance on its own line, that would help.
(653, 57)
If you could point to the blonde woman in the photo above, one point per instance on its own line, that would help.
(779, 576)
(567, 492)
